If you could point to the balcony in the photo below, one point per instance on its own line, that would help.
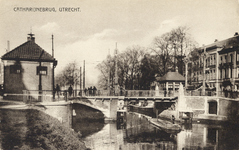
(225, 65)
(211, 66)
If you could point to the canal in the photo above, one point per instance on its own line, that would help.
(136, 133)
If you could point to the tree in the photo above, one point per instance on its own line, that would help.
(106, 67)
(183, 44)
(132, 62)
(128, 68)
(163, 50)
(194, 66)
(69, 75)
(172, 47)
(149, 68)
(137, 68)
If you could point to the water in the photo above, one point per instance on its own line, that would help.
(136, 133)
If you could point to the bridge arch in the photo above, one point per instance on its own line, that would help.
(83, 112)
(107, 106)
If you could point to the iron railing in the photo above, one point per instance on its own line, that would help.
(47, 95)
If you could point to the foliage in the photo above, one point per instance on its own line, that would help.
(149, 69)
(128, 69)
(32, 129)
(69, 75)
(137, 67)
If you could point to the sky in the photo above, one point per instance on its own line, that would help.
(91, 33)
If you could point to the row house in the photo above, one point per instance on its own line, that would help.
(218, 64)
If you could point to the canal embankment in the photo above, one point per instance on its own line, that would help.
(29, 128)
(161, 123)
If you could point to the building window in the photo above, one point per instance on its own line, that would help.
(15, 69)
(214, 74)
(211, 75)
(42, 70)
(223, 73)
(238, 72)
(212, 107)
(214, 58)
(212, 135)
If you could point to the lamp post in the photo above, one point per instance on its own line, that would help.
(186, 61)
(116, 71)
(204, 70)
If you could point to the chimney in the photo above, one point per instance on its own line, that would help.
(236, 34)
(8, 46)
(30, 37)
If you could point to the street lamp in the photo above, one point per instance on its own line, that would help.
(186, 61)
(205, 55)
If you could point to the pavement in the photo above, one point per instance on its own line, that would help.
(10, 104)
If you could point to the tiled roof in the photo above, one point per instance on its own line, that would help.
(171, 76)
(28, 51)
(225, 44)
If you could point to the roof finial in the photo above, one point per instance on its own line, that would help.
(31, 38)
(31, 35)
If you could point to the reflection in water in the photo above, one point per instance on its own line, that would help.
(136, 133)
(86, 127)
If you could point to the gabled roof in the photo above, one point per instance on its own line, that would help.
(28, 51)
(171, 77)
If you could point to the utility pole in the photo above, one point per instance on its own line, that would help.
(53, 68)
(116, 71)
(80, 83)
(40, 79)
(108, 83)
(204, 65)
(84, 75)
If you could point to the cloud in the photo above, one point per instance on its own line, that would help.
(105, 34)
(50, 27)
(168, 25)
(93, 50)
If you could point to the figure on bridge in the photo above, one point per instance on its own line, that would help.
(70, 91)
(58, 90)
(94, 91)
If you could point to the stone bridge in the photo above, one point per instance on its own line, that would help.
(110, 105)
(107, 105)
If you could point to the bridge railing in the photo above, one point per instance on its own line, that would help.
(226, 94)
(30, 96)
(47, 95)
(127, 93)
